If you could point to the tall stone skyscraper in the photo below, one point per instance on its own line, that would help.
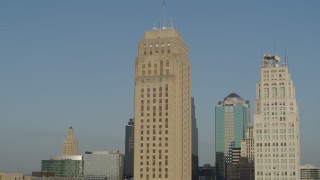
(128, 160)
(162, 111)
(70, 144)
(232, 116)
(276, 123)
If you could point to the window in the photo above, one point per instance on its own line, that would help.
(265, 92)
(274, 92)
(282, 92)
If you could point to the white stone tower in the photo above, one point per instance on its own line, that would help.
(276, 123)
(70, 144)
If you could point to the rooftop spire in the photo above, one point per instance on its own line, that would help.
(164, 14)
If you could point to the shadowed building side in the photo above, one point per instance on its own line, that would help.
(129, 149)
(195, 154)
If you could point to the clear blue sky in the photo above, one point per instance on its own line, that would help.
(71, 62)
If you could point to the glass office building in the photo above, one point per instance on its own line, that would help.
(231, 118)
(64, 166)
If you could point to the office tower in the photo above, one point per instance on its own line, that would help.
(195, 154)
(128, 160)
(231, 118)
(162, 135)
(70, 144)
(309, 172)
(103, 165)
(64, 166)
(247, 144)
(242, 166)
(276, 123)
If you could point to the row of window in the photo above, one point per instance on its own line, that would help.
(154, 176)
(154, 120)
(154, 138)
(275, 137)
(274, 93)
(277, 173)
(274, 131)
(156, 51)
(275, 149)
(155, 89)
(153, 132)
(155, 108)
(154, 101)
(163, 44)
(155, 65)
(271, 144)
(155, 72)
(274, 71)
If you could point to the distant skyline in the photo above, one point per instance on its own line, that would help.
(57, 59)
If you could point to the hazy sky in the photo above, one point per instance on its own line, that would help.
(71, 63)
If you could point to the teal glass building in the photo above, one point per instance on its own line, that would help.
(65, 166)
(231, 118)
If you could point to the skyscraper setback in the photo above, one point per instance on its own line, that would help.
(276, 123)
(162, 135)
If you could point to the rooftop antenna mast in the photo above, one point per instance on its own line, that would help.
(285, 55)
(164, 14)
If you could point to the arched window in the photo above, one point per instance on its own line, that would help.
(282, 92)
(274, 92)
(265, 92)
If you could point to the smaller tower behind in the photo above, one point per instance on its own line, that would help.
(70, 144)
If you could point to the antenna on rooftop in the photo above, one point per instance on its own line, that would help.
(171, 23)
(286, 57)
(164, 14)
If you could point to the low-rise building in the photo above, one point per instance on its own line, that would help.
(11, 176)
(103, 165)
(64, 166)
(309, 172)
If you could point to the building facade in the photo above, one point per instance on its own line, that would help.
(231, 118)
(195, 154)
(162, 107)
(64, 166)
(276, 123)
(243, 169)
(70, 144)
(100, 165)
(247, 144)
(309, 172)
(129, 146)
(11, 176)
(207, 172)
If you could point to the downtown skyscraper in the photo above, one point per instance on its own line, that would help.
(276, 123)
(231, 118)
(162, 107)
(70, 144)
